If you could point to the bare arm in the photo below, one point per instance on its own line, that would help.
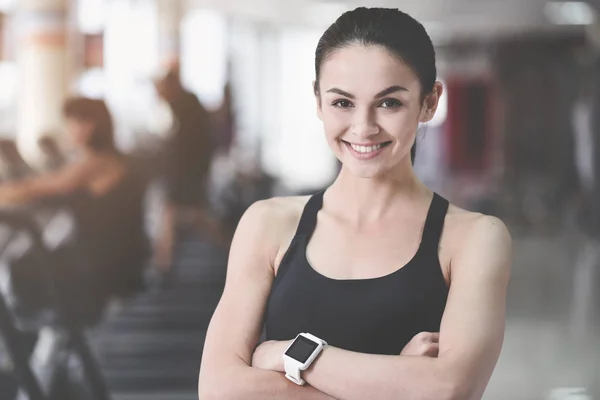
(226, 371)
(471, 335)
(61, 182)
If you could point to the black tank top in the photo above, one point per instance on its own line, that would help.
(376, 316)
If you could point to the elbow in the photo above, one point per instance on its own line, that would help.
(459, 389)
(204, 394)
(212, 391)
(206, 391)
(219, 389)
(456, 382)
(455, 392)
(451, 386)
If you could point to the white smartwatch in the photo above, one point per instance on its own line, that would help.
(300, 355)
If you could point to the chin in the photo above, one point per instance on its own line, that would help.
(364, 171)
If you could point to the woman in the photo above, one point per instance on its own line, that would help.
(189, 154)
(98, 168)
(376, 265)
(104, 197)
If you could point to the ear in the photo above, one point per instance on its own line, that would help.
(318, 100)
(431, 103)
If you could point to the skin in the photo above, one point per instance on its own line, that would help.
(358, 236)
(97, 172)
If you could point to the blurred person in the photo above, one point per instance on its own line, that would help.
(249, 183)
(52, 156)
(403, 293)
(99, 165)
(224, 119)
(103, 197)
(14, 166)
(189, 153)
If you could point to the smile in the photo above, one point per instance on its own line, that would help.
(366, 151)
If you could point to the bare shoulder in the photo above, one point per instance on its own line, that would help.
(466, 223)
(273, 222)
(278, 213)
(472, 235)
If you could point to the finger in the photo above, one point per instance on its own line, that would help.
(435, 337)
(423, 337)
(432, 350)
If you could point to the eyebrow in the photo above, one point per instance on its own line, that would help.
(385, 92)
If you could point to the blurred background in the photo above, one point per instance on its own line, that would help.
(212, 109)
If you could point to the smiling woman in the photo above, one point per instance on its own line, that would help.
(391, 291)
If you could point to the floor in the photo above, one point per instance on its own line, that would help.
(151, 348)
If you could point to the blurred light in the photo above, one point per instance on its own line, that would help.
(570, 13)
(325, 13)
(9, 83)
(92, 83)
(91, 15)
(6, 5)
(204, 62)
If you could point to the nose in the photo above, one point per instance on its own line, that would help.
(364, 124)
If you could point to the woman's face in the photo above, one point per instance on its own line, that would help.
(370, 104)
(79, 131)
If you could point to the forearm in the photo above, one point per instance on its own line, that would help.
(24, 192)
(15, 193)
(347, 375)
(250, 383)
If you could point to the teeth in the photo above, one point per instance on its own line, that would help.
(366, 149)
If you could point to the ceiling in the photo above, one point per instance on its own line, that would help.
(444, 19)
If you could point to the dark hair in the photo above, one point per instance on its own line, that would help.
(96, 112)
(399, 33)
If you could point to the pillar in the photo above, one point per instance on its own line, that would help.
(170, 14)
(43, 69)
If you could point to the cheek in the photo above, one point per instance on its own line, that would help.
(76, 135)
(335, 123)
(401, 124)
(79, 137)
(72, 133)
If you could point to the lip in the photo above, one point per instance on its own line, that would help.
(364, 156)
(367, 144)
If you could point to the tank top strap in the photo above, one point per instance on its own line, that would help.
(308, 220)
(434, 224)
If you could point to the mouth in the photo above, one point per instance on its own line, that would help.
(364, 152)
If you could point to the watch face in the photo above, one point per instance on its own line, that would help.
(301, 349)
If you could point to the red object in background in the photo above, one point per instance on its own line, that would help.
(93, 50)
(2, 36)
(469, 124)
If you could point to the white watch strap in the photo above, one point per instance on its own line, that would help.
(316, 339)
(292, 371)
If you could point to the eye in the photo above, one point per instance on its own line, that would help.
(390, 103)
(342, 103)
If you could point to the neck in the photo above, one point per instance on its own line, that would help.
(367, 200)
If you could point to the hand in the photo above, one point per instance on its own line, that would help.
(12, 193)
(8, 195)
(424, 344)
(269, 355)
